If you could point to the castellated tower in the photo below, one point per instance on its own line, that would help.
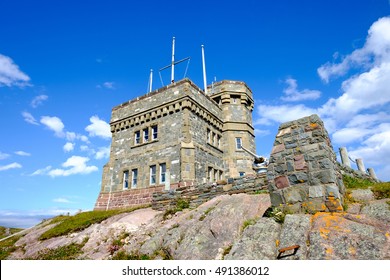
(236, 101)
(177, 136)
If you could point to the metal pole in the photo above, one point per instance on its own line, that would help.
(173, 61)
(150, 80)
(204, 71)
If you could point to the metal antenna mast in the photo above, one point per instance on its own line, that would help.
(173, 63)
(204, 71)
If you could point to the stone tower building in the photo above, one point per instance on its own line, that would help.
(174, 136)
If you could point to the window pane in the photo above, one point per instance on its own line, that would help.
(146, 134)
(137, 137)
(163, 169)
(126, 179)
(154, 132)
(153, 175)
(134, 175)
(238, 144)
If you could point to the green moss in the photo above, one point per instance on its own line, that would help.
(80, 221)
(249, 222)
(356, 183)
(381, 190)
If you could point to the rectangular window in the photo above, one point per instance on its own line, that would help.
(214, 139)
(210, 174)
(220, 174)
(134, 178)
(146, 135)
(242, 174)
(163, 170)
(215, 175)
(208, 136)
(137, 137)
(153, 175)
(154, 132)
(125, 180)
(219, 141)
(238, 143)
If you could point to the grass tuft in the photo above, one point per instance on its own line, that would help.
(80, 221)
(356, 183)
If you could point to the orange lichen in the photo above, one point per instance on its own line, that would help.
(329, 251)
(277, 242)
(352, 250)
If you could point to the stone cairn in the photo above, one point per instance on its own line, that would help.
(303, 174)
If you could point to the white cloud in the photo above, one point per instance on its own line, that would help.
(73, 165)
(282, 113)
(62, 200)
(42, 171)
(10, 74)
(374, 52)
(103, 152)
(55, 124)
(38, 100)
(22, 153)
(98, 128)
(29, 118)
(10, 166)
(293, 94)
(68, 147)
(108, 85)
(3, 155)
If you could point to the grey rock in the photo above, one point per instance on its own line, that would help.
(258, 242)
(362, 195)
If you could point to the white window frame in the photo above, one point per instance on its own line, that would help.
(145, 135)
(125, 182)
(152, 177)
(154, 132)
(163, 171)
(238, 143)
(134, 178)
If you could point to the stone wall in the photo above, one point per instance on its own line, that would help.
(345, 170)
(303, 173)
(199, 194)
(125, 198)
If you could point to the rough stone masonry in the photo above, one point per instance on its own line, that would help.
(303, 175)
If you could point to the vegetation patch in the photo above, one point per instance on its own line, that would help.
(249, 222)
(381, 190)
(227, 250)
(261, 191)
(203, 216)
(68, 252)
(4, 232)
(80, 221)
(277, 214)
(180, 204)
(8, 246)
(356, 183)
(122, 255)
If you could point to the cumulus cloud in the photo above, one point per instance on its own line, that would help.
(55, 124)
(98, 128)
(22, 153)
(293, 94)
(10, 74)
(10, 166)
(103, 152)
(38, 100)
(68, 147)
(374, 52)
(74, 165)
(282, 113)
(29, 118)
(42, 171)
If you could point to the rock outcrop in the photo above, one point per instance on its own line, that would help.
(227, 227)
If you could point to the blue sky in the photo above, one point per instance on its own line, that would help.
(65, 64)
